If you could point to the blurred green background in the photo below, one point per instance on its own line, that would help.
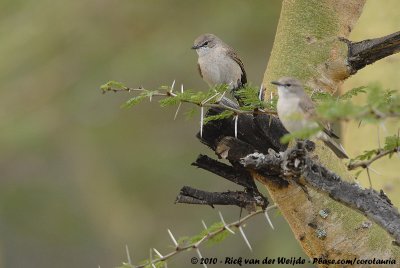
(81, 178)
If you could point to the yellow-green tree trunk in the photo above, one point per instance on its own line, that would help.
(307, 47)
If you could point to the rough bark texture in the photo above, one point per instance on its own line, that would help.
(295, 164)
(307, 47)
(368, 51)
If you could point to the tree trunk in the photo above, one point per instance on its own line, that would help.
(307, 47)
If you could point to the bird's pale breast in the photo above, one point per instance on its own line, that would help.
(218, 68)
(292, 116)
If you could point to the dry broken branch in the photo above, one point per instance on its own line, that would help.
(368, 51)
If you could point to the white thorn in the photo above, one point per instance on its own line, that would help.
(158, 253)
(223, 222)
(151, 259)
(210, 98)
(128, 255)
(204, 225)
(222, 96)
(270, 97)
(177, 110)
(181, 88)
(268, 219)
(260, 93)
(245, 238)
(201, 121)
(384, 127)
(369, 178)
(201, 257)
(375, 171)
(172, 86)
(236, 125)
(151, 97)
(172, 238)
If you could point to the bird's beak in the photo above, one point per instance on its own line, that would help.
(195, 47)
(276, 83)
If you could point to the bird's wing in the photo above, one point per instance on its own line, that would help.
(199, 69)
(308, 106)
(328, 131)
(232, 54)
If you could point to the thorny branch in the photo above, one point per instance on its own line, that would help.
(205, 103)
(207, 237)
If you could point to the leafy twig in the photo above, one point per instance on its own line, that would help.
(367, 163)
(200, 99)
(392, 145)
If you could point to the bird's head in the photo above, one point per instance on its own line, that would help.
(204, 43)
(287, 85)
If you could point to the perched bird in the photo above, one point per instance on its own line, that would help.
(296, 111)
(219, 64)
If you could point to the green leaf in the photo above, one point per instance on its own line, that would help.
(134, 101)
(189, 114)
(391, 143)
(336, 110)
(301, 134)
(220, 88)
(367, 155)
(250, 98)
(318, 96)
(353, 92)
(218, 238)
(111, 85)
(223, 115)
(214, 227)
(169, 101)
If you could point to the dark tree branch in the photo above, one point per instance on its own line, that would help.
(262, 131)
(237, 176)
(296, 163)
(368, 51)
(241, 199)
(234, 149)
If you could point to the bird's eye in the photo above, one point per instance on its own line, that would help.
(287, 85)
(205, 43)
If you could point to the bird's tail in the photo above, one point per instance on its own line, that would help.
(336, 148)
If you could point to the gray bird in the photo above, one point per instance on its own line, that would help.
(218, 63)
(296, 111)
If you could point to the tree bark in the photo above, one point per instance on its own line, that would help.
(308, 46)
